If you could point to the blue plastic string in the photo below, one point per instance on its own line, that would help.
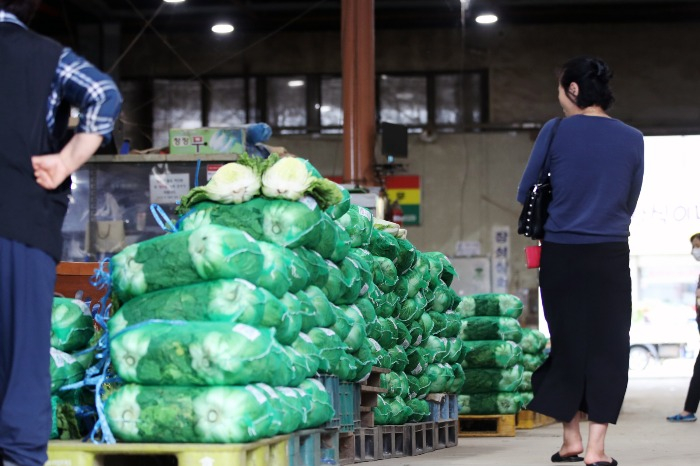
(196, 173)
(162, 218)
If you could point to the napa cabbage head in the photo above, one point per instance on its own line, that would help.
(292, 177)
(233, 183)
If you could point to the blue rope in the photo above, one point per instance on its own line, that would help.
(196, 173)
(162, 218)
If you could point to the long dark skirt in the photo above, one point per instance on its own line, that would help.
(587, 302)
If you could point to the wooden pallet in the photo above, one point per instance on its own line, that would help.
(527, 419)
(488, 425)
(266, 452)
(369, 390)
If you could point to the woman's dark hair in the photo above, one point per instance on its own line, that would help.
(23, 9)
(592, 76)
(696, 235)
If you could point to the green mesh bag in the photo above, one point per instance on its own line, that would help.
(352, 277)
(382, 411)
(399, 412)
(199, 353)
(401, 288)
(345, 368)
(439, 324)
(409, 310)
(459, 380)
(383, 245)
(492, 380)
(325, 314)
(384, 274)
(364, 268)
(289, 404)
(490, 328)
(331, 347)
(415, 282)
(489, 403)
(282, 270)
(455, 350)
(436, 349)
(358, 330)
(207, 253)
(490, 304)
(533, 341)
(441, 377)
(416, 331)
(369, 313)
(287, 328)
(343, 323)
(526, 383)
(341, 208)
(66, 369)
(491, 354)
(172, 414)
(454, 324)
(304, 307)
(444, 271)
(286, 223)
(364, 360)
(333, 242)
(532, 362)
(398, 357)
(336, 286)
(72, 326)
(229, 300)
(396, 384)
(417, 361)
(407, 255)
(305, 346)
(404, 336)
(315, 265)
(321, 406)
(386, 304)
(420, 410)
(380, 354)
(442, 298)
(357, 221)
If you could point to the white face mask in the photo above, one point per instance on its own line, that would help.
(696, 253)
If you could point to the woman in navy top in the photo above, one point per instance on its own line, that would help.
(597, 164)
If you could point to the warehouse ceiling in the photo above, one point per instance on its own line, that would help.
(61, 17)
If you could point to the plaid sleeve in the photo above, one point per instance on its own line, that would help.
(93, 92)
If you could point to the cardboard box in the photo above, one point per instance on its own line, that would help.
(207, 141)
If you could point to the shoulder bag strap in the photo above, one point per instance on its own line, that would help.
(544, 171)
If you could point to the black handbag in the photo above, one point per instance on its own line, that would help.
(534, 214)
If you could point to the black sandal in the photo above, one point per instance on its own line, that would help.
(557, 458)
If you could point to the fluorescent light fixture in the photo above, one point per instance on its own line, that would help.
(222, 28)
(173, 1)
(325, 108)
(295, 83)
(486, 18)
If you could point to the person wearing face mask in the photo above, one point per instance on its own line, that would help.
(692, 399)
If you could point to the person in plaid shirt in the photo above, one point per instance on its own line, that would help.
(39, 82)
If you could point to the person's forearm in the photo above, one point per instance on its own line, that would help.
(79, 150)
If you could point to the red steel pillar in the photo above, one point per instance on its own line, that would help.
(359, 128)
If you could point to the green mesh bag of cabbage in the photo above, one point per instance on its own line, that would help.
(490, 304)
(532, 362)
(533, 341)
(491, 354)
(391, 411)
(66, 369)
(183, 258)
(71, 324)
(200, 353)
(490, 328)
(489, 403)
(492, 380)
(285, 223)
(228, 300)
(526, 383)
(221, 414)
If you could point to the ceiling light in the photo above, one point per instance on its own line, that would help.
(487, 18)
(222, 28)
(173, 1)
(295, 83)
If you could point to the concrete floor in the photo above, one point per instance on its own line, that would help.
(642, 435)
